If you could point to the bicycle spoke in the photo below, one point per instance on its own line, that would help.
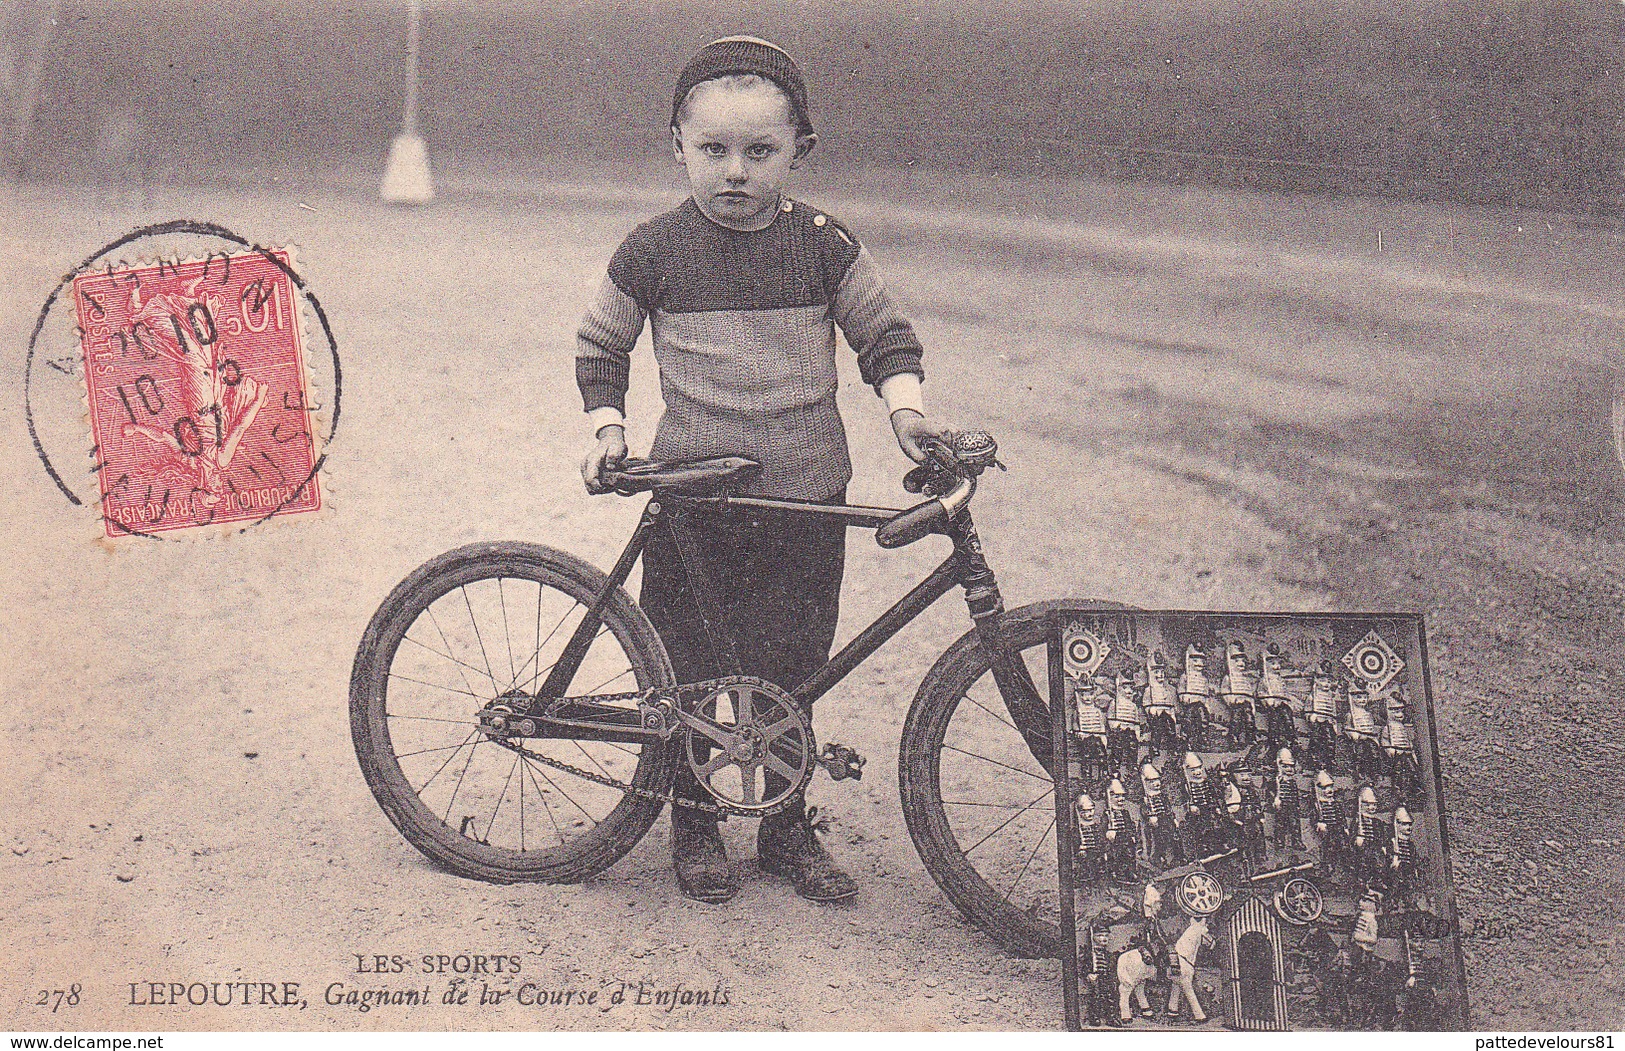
(540, 640)
(747, 780)
(606, 682)
(531, 770)
(1028, 863)
(477, 637)
(460, 777)
(995, 762)
(562, 792)
(450, 653)
(590, 759)
(534, 679)
(492, 823)
(428, 719)
(455, 748)
(446, 656)
(433, 685)
(991, 712)
(1009, 819)
(967, 802)
(537, 656)
(502, 600)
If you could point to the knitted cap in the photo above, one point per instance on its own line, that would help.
(746, 54)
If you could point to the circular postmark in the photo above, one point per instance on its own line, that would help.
(183, 379)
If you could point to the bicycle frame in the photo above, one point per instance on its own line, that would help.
(965, 567)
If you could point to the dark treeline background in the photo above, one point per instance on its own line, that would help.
(1483, 101)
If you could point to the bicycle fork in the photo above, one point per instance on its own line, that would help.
(1027, 708)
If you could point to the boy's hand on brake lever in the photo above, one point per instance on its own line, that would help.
(608, 450)
(912, 428)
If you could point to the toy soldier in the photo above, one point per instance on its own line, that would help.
(1367, 924)
(1286, 802)
(1161, 834)
(1151, 936)
(1201, 806)
(1242, 823)
(1324, 708)
(1331, 825)
(1366, 836)
(1160, 704)
(1404, 863)
(1090, 847)
(1194, 690)
(1089, 733)
(1277, 703)
(1396, 740)
(1361, 730)
(1125, 725)
(1369, 1005)
(1122, 834)
(1099, 978)
(1240, 694)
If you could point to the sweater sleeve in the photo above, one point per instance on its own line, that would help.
(883, 338)
(609, 330)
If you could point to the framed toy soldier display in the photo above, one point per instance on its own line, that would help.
(1250, 822)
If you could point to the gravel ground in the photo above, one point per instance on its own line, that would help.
(1207, 400)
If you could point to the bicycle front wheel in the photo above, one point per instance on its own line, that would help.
(468, 628)
(979, 806)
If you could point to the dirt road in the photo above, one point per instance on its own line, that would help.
(1206, 400)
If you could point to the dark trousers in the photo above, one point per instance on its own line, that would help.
(775, 580)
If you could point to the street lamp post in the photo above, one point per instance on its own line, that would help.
(406, 176)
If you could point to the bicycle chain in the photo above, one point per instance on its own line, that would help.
(678, 692)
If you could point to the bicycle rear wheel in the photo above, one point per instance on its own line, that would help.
(980, 808)
(461, 631)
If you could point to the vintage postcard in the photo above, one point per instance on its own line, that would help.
(542, 516)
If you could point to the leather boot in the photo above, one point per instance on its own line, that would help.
(786, 846)
(699, 858)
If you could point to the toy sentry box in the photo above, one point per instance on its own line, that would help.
(1250, 823)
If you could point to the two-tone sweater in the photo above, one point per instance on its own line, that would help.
(743, 325)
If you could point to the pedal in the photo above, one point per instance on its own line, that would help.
(841, 762)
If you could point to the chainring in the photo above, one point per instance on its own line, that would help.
(749, 745)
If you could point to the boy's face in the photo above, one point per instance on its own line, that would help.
(739, 146)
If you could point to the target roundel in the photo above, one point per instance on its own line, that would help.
(1373, 661)
(1083, 652)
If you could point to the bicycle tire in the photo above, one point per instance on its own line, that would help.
(1020, 931)
(434, 834)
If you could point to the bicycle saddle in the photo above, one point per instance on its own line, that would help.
(693, 477)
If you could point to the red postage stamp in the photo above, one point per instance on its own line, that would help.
(199, 400)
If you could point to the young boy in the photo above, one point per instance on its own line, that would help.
(742, 288)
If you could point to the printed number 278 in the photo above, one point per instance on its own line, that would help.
(56, 998)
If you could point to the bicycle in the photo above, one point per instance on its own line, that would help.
(489, 765)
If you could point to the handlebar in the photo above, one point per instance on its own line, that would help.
(923, 519)
(949, 477)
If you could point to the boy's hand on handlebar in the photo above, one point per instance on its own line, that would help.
(912, 428)
(608, 450)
